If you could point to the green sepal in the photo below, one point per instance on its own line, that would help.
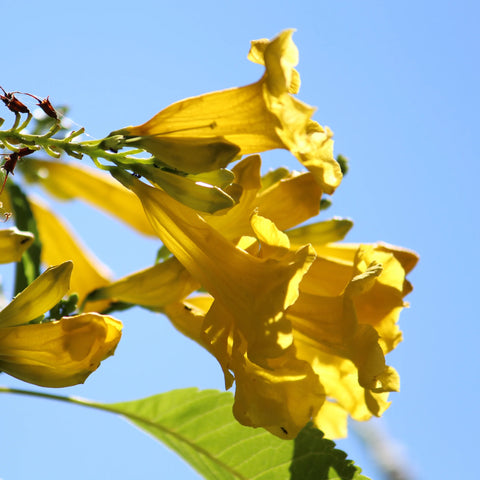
(220, 178)
(325, 203)
(162, 254)
(274, 176)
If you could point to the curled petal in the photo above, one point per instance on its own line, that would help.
(340, 380)
(282, 400)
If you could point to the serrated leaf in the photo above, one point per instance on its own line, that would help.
(200, 427)
(316, 457)
(28, 269)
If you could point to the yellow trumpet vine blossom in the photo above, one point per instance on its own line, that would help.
(328, 340)
(240, 282)
(280, 397)
(57, 353)
(207, 132)
(345, 322)
(288, 202)
(337, 364)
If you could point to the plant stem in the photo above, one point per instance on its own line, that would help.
(61, 398)
(54, 146)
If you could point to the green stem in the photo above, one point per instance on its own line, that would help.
(75, 149)
(61, 398)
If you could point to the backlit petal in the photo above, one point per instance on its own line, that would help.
(60, 244)
(39, 297)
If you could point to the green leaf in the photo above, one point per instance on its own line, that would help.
(316, 457)
(200, 427)
(28, 269)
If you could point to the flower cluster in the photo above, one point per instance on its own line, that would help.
(299, 321)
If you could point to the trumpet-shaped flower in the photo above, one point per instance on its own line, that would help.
(238, 281)
(57, 353)
(289, 201)
(283, 330)
(345, 321)
(335, 366)
(281, 397)
(209, 131)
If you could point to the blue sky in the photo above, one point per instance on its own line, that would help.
(398, 84)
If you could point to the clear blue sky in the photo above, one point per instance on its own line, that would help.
(398, 84)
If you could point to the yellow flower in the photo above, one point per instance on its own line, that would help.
(13, 243)
(335, 366)
(281, 397)
(345, 321)
(209, 131)
(288, 201)
(58, 353)
(303, 337)
(239, 281)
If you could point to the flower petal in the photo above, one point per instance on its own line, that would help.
(39, 297)
(282, 400)
(237, 114)
(154, 287)
(59, 244)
